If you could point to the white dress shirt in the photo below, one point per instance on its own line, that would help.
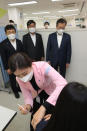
(14, 44)
(33, 37)
(59, 39)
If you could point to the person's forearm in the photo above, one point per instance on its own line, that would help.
(38, 116)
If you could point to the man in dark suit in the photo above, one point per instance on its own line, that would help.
(32, 43)
(8, 47)
(59, 48)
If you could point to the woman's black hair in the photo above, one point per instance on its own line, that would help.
(19, 61)
(9, 27)
(70, 112)
(31, 22)
(61, 20)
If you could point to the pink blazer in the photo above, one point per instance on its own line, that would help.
(47, 79)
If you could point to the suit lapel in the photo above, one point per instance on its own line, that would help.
(36, 39)
(56, 41)
(17, 45)
(63, 39)
(30, 39)
(10, 45)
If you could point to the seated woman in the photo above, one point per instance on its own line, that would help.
(40, 85)
(70, 112)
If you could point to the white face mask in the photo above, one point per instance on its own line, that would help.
(46, 26)
(27, 78)
(32, 30)
(60, 31)
(11, 36)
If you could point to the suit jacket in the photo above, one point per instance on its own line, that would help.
(8, 50)
(47, 79)
(34, 52)
(56, 55)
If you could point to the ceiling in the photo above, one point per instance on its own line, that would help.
(48, 6)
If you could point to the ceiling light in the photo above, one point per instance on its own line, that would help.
(23, 3)
(49, 16)
(68, 10)
(36, 18)
(70, 15)
(37, 13)
(56, 0)
(53, 18)
(31, 17)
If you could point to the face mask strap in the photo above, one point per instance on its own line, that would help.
(28, 77)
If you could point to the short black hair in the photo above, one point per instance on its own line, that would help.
(11, 21)
(46, 23)
(9, 27)
(31, 22)
(19, 61)
(62, 20)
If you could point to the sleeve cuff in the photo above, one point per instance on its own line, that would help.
(48, 106)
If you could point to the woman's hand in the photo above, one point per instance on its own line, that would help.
(38, 116)
(47, 117)
(25, 109)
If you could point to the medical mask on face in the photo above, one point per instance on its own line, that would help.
(60, 31)
(11, 36)
(46, 26)
(27, 78)
(32, 30)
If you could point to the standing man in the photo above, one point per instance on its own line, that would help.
(8, 47)
(59, 48)
(32, 43)
(46, 25)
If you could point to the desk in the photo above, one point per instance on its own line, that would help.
(6, 116)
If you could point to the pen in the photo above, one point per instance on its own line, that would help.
(21, 107)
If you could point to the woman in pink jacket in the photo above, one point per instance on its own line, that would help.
(39, 83)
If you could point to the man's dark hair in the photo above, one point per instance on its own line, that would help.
(46, 23)
(31, 22)
(62, 20)
(11, 21)
(9, 27)
(19, 61)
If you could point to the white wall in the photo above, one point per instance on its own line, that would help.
(40, 23)
(70, 23)
(14, 14)
(78, 67)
